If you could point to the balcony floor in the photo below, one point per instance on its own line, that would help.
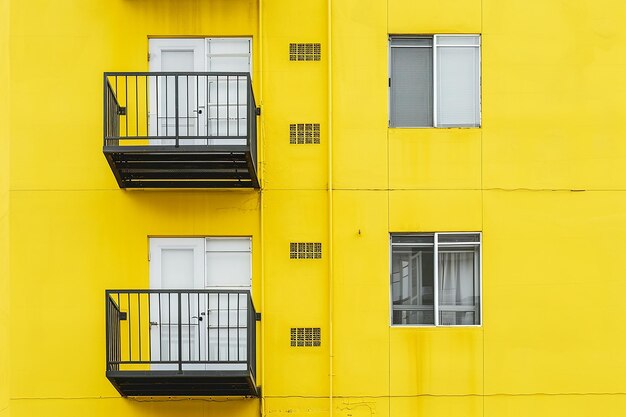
(188, 166)
(184, 383)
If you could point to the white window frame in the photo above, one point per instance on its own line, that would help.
(434, 48)
(436, 235)
(209, 54)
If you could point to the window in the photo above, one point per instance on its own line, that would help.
(435, 279)
(434, 81)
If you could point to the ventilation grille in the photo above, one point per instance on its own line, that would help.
(305, 51)
(306, 337)
(305, 250)
(304, 133)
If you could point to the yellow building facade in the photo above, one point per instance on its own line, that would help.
(542, 179)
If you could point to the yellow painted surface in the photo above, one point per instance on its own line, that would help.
(5, 298)
(359, 95)
(361, 318)
(445, 16)
(552, 295)
(556, 405)
(552, 106)
(299, 297)
(422, 159)
(552, 338)
(465, 405)
(294, 92)
(435, 211)
(445, 361)
(139, 407)
(59, 53)
(74, 268)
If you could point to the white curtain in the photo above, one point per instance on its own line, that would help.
(457, 287)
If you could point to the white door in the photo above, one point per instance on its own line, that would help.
(228, 95)
(213, 326)
(177, 264)
(213, 106)
(228, 267)
(183, 56)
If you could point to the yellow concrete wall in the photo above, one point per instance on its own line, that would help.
(551, 342)
(4, 208)
(74, 233)
(293, 92)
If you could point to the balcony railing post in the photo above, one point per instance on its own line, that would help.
(107, 316)
(176, 107)
(106, 119)
(249, 106)
(180, 331)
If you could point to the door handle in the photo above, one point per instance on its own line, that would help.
(199, 111)
(154, 323)
(196, 317)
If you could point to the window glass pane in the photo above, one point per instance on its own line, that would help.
(411, 41)
(471, 40)
(458, 86)
(459, 289)
(228, 46)
(421, 238)
(412, 287)
(458, 237)
(411, 94)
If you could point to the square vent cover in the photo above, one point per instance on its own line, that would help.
(305, 51)
(306, 337)
(305, 250)
(304, 133)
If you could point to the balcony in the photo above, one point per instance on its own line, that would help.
(216, 355)
(180, 130)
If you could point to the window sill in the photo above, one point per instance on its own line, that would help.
(432, 326)
(435, 128)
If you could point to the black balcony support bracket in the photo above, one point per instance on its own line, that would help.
(181, 130)
(215, 357)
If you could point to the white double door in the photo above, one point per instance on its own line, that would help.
(213, 326)
(209, 107)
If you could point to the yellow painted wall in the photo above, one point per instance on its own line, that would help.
(552, 338)
(4, 208)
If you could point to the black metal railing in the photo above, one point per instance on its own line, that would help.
(179, 108)
(144, 329)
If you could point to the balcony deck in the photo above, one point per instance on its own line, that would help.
(215, 357)
(183, 383)
(186, 166)
(180, 130)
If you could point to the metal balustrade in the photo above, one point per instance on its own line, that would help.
(180, 129)
(158, 339)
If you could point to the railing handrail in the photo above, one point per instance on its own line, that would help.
(111, 90)
(113, 303)
(176, 291)
(190, 291)
(177, 73)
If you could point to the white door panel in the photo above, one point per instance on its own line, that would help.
(213, 326)
(177, 55)
(176, 263)
(216, 109)
(228, 97)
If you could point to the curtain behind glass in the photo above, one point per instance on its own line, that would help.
(459, 292)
